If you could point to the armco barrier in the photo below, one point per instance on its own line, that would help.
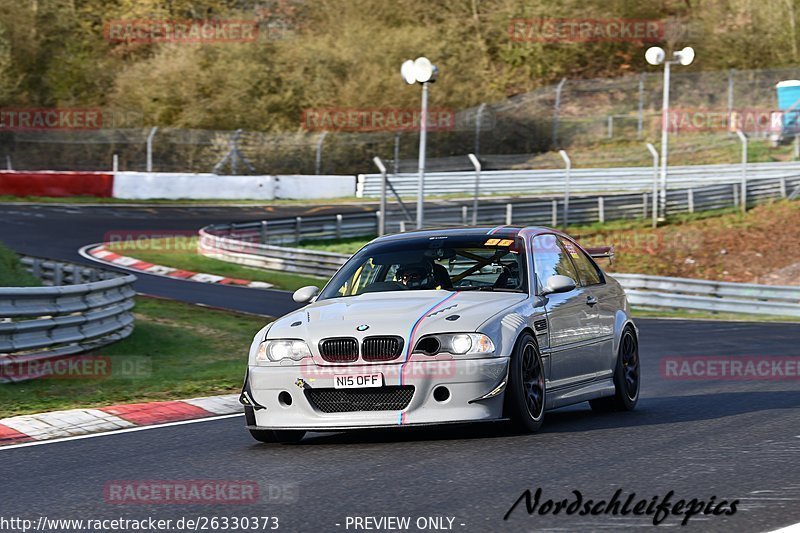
(643, 291)
(582, 180)
(544, 212)
(82, 309)
(718, 296)
(296, 260)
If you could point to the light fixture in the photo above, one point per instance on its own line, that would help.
(407, 71)
(685, 56)
(655, 55)
(419, 70)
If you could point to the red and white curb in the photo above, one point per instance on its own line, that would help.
(73, 422)
(99, 253)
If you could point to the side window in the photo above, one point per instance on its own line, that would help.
(550, 258)
(588, 272)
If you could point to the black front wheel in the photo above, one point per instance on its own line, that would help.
(626, 377)
(525, 393)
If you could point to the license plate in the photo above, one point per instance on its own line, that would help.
(357, 381)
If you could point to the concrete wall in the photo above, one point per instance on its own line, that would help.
(174, 186)
(143, 185)
(302, 187)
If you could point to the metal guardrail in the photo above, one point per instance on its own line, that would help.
(718, 296)
(80, 308)
(545, 212)
(645, 292)
(270, 257)
(582, 180)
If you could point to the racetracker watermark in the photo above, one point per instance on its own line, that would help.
(730, 368)
(180, 31)
(350, 119)
(197, 492)
(18, 119)
(152, 240)
(179, 242)
(18, 368)
(747, 120)
(548, 30)
(660, 508)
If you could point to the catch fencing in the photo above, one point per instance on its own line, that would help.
(80, 308)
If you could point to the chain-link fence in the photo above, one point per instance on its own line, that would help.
(605, 120)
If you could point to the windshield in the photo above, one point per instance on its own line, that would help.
(458, 263)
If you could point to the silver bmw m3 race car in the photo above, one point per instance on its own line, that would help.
(446, 326)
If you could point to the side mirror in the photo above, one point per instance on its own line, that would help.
(305, 294)
(556, 284)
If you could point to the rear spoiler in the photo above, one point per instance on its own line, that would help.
(602, 252)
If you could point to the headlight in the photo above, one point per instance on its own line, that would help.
(455, 343)
(280, 349)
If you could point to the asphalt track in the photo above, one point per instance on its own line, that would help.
(58, 231)
(735, 440)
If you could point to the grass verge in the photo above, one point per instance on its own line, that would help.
(12, 273)
(183, 254)
(184, 351)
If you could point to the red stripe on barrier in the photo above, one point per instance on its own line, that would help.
(10, 436)
(57, 184)
(156, 412)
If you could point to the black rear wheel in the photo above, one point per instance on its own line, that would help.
(626, 377)
(525, 393)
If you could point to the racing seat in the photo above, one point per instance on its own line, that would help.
(508, 279)
(442, 277)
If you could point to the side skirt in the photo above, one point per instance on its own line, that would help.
(580, 393)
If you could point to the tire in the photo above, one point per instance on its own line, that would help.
(627, 377)
(525, 397)
(269, 435)
(284, 436)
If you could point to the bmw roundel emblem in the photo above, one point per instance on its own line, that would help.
(362, 327)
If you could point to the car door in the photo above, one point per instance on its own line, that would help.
(602, 308)
(568, 315)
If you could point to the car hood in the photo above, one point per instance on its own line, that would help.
(392, 313)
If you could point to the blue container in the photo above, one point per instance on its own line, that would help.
(789, 103)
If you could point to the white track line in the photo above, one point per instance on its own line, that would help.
(794, 528)
(117, 432)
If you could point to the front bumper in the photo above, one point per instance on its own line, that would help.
(468, 381)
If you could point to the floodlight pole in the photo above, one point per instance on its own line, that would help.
(654, 153)
(423, 133)
(664, 140)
